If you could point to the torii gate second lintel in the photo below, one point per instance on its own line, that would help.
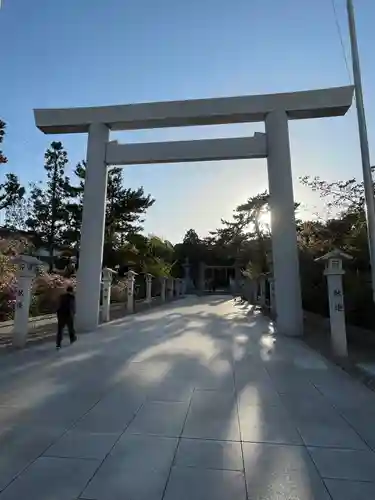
(274, 109)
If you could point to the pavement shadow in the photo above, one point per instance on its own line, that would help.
(136, 359)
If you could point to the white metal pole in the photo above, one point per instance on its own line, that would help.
(363, 138)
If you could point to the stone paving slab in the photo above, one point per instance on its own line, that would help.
(138, 468)
(82, 444)
(350, 490)
(47, 477)
(220, 455)
(201, 484)
(196, 399)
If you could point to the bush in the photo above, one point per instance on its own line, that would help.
(119, 291)
(46, 288)
(8, 284)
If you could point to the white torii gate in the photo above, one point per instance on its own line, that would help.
(274, 109)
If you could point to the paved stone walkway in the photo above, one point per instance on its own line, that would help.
(194, 400)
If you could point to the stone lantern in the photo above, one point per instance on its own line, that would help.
(183, 286)
(178, 287)
(163, 282)
(107, 275)
(130, 284)
(271, 282)
(188, 284)
(170, 284)
(262, 289)
(334, 272)
(148, 288)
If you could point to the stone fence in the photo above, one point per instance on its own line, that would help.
(321, 325)
(25, 329)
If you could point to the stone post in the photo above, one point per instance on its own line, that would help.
(257, 291)
(283, 226)
(107, 275)
(170, 288)
(254, 291)
(27, 266)
(271, 282)
(188, 284)
(247, 288)
(202, 275)
(163, 281)
(179, 287)
(262, 290)
(148, 288)
(237, 279)
(334, 273)
(130, 282)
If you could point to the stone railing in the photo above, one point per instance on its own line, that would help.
(259, 291)
(356, 335)
(41, 327)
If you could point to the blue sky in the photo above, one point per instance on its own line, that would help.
(86, 52)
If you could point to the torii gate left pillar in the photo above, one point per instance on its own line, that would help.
(92, 231)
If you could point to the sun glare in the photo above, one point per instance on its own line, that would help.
(265, 218)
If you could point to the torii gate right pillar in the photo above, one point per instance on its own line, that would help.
(288, 298)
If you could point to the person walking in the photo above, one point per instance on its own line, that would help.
(65, 316)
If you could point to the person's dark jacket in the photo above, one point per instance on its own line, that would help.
(67, 305)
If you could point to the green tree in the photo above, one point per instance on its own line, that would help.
(192, 248)
(161, 256)
(74, 204)
(346, 226)
(48, 215)
(3, 158)
(191, 238)
(340, 196)
(10, 191)
(247, 236)
(125, 209)
(16, 215)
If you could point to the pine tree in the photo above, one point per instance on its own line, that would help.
(16, 215)
(74, 205)
(125, 207)
(191, 238)
(3, 159)
(48, 216)
(124, 211)
(10, 191)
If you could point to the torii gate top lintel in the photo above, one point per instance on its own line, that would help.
(242, 109)
(275, 110)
